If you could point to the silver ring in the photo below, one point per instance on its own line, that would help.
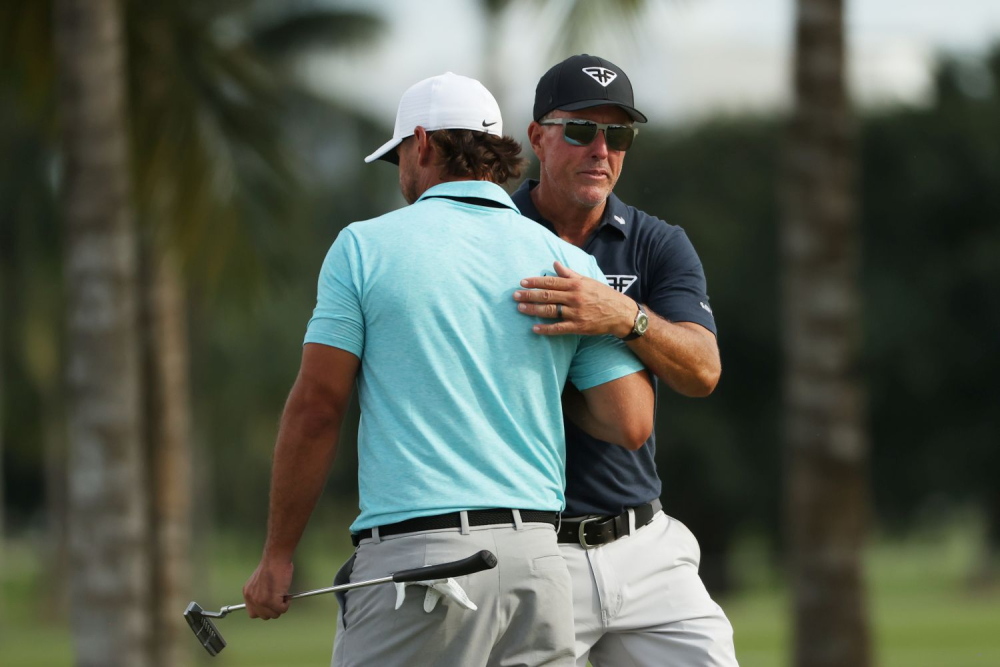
(559, 310)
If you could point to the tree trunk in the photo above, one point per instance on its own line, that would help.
(108, 556)
(3, 496)
(56, 510)
(825, 443)
(168, 435)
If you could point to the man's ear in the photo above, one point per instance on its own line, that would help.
(535, 138)
(425, 149)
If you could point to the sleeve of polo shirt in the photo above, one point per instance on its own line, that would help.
(677, 289)
(338, 320)
(600, 359)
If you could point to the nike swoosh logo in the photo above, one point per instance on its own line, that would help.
(485, 124)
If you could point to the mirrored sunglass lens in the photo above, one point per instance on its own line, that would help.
(619, 137)
(580, 134)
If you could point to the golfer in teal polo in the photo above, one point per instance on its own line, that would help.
(461, 443)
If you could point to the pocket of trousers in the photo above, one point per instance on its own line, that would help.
(543, 563)
(682, 533)
(342, 577)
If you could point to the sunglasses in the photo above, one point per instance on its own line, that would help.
(582, 132)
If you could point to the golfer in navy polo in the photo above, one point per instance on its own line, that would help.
(638, 599)
(461, 445)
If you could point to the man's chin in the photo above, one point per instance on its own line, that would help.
(592, 196)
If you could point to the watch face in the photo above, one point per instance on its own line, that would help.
(641, 323)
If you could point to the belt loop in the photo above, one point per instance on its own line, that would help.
(631, 521)
(558, 521)
(376, 537)
(463, 518)
(517, 519)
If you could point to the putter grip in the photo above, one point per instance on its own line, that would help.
(484, 560)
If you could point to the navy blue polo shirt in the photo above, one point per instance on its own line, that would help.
(654, 263)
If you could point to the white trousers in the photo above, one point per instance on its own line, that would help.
(639, 602)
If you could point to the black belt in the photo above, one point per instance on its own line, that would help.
(454, 520)
(594, 531)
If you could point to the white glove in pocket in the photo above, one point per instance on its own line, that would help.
(436, 589)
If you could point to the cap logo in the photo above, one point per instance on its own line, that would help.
(601, 75)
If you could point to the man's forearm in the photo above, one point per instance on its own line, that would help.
(576, 410)
(682, 354)
(306, 447)
(619, 412)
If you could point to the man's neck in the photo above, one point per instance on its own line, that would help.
(436, 178)
(572, 223)
(425, 181)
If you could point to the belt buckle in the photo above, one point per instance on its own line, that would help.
(581, 535)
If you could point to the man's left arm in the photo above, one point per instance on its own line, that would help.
(685, 355)
(304, 452)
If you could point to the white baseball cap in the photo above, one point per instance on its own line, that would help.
(445, 102)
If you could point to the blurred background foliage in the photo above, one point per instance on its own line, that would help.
(248, 177)
(931, 281)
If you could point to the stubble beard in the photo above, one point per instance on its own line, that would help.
(408, 186)
(590, 195)
(584, 195)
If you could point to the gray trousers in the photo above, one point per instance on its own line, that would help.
(525, 615)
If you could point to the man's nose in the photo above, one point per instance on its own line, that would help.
(599, 146)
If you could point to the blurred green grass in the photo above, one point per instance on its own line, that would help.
(925, 611)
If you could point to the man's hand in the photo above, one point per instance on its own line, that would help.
(588, 307)
(266, 589)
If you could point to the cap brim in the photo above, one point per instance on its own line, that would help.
(633, 113)
(386, 151)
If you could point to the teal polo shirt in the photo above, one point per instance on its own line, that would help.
(460, 399)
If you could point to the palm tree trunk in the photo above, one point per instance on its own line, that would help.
(3, 504)
(54, 451)
(108, 555)
(168, 432)
(826, 446)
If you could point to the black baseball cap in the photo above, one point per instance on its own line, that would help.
(584, 81)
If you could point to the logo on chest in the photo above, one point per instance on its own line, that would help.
(621, 283)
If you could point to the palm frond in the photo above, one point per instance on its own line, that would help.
(209, 104)
(27, 64)
(296, 33)
(212, 155)
(586, 21)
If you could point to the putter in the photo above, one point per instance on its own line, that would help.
(204, 629)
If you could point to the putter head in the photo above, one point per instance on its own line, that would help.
(204, 629)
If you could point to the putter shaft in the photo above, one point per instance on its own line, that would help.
(204, 629)
(305, 594)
